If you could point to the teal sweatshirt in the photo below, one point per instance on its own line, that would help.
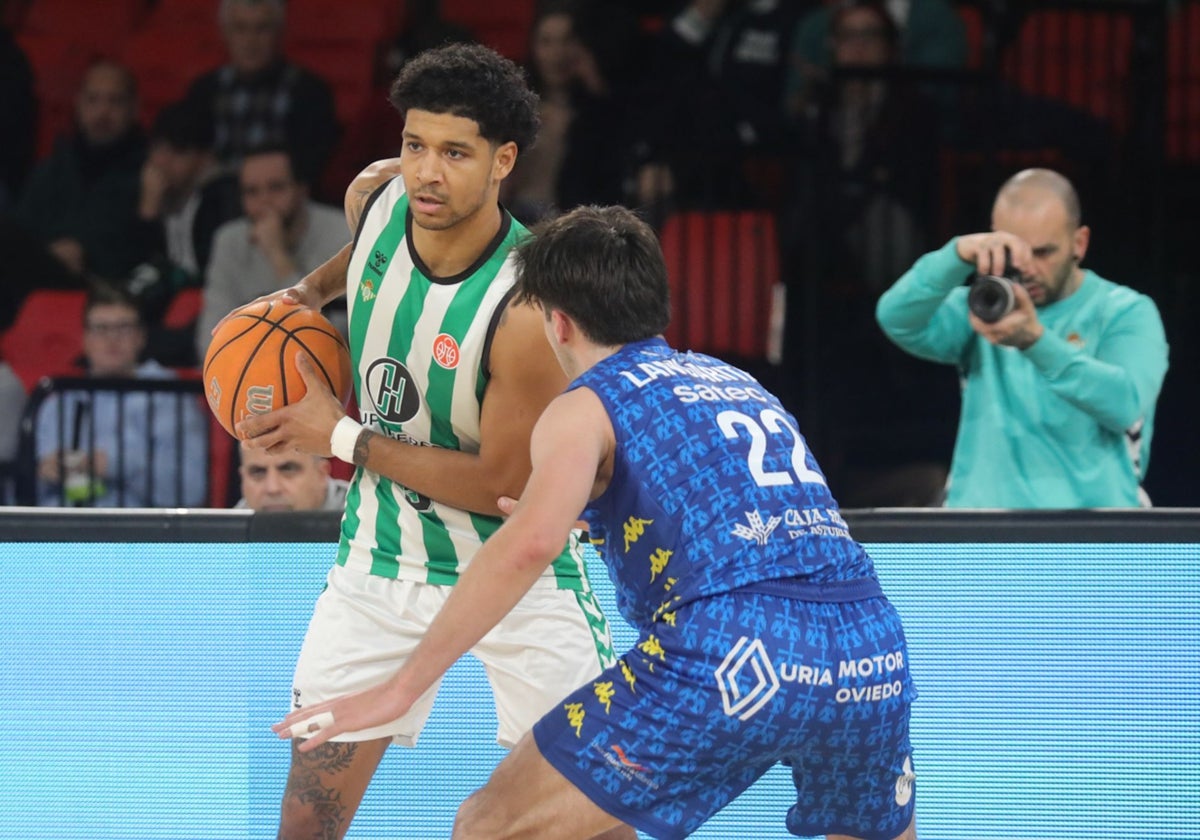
(1065, 423)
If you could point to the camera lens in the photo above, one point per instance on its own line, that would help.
(991, 298)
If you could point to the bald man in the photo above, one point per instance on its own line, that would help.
(288, 481)
(1059, 394)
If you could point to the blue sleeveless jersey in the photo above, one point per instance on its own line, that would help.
(713, 486)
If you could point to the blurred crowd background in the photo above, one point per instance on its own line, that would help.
(165, 160)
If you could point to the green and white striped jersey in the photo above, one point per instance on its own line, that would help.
(418, 347)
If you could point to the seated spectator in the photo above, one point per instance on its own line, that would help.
(82, 200)
(291, 481)
(715, 95)
(282, 237)
(862, 211)
(186, 195)
(113, 449)
(579, 157)
(930, 34)
(870, 145)
(260, 98)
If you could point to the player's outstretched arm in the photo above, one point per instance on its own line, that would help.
(570, 443)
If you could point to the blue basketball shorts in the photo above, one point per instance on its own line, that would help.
(714, 694)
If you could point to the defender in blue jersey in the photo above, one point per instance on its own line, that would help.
(764, 636)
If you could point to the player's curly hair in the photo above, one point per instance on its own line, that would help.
(604, 268)
(472, 81)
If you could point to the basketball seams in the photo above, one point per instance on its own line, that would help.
(219, 362)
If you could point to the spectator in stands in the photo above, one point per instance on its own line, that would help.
(581, 154)
(288, 481)
(869, 145)
(281, 238)
(931, 34)
(1059, 395)
(715, 94)
(120, 449)
(185, 193)
(260, 97)
(859, 215)
(18, 130)
(185, 196)
(82, 200)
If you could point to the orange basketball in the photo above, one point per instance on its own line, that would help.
(250, 367)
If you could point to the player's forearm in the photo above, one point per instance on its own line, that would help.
(451, 477)
(328, 280)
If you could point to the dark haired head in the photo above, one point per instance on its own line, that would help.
(298, 171)
(888, 28)
(472, 81)
(604, 268)
(183, 128)
(102, 292)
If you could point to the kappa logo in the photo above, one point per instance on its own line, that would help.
(445, 351)
(758, 531)
(366, 290)
(746, 678)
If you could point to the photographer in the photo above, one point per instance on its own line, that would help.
(1058, 392)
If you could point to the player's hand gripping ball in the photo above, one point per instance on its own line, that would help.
(250, 367)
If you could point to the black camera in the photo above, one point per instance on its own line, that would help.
(992, 296)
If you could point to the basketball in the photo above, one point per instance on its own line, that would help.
(250, 366)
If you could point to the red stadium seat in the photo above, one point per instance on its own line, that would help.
(1081, 57)
(1183, 85)
(184, 308)
(103, 27)
(47, 337)
(58, 66)
(502, 26)
(723, 268)
(179, 41)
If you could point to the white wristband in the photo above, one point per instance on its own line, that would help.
(344, 437)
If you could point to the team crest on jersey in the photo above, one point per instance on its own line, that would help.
(367, 290)
(445, 351)
(393, 391)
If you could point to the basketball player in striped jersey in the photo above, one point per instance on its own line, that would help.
(764, 635)
(450, 377)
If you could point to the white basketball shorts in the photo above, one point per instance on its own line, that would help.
(364, 627)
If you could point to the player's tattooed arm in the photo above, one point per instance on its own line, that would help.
(362, 447)
(364, 185)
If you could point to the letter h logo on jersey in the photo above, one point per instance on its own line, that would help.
(746, 678)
